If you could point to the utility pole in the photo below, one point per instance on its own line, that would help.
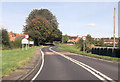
(114, 30)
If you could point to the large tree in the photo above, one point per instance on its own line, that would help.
(64, 38)
(42, 26)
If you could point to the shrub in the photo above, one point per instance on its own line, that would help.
(15, 44)
(4, 39)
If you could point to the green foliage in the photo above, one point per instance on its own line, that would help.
(5, 39)
(90, 39)
(64, 38)
(79, 44)
(15, 44)
(88, 43)
(42, 26)
(6, 43)
(73, 49)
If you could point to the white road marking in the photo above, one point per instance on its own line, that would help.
(40, 67)
(96, 73)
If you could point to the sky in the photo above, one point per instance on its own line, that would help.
(74, 18)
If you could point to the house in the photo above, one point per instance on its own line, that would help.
(12, 36)
(97, 39)
(110, 41)
(73, 38)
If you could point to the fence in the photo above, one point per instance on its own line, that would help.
(106, 52)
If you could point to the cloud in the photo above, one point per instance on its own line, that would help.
(91, 25)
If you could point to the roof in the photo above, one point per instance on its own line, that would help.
(11, 33)
(109, 40)
(72, 37)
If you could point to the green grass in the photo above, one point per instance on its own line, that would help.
(73, 49)
(14, 59)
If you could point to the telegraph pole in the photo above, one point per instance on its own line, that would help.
(114, 30)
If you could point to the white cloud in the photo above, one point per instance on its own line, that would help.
(91, 25)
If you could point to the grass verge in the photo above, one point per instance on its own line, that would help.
(73, 49)
(14, 59)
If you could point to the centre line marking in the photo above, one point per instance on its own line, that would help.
(96, 73)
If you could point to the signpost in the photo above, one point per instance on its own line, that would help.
(83, 38)
(26, 36)
(30, 42)
(26, 42)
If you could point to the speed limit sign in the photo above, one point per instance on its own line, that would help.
(26, 36)
(84, 37)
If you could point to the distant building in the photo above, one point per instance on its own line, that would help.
(73, 38)
(110, 41)
(98, 39)
(13, 36)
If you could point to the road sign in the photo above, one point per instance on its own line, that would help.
(24, 41)
(31, 42)
(26, 36)
(84, 37)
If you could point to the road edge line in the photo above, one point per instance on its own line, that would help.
(40, 66)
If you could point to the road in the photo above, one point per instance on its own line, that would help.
(59, 65)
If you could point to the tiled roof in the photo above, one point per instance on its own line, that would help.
(12, 35)
(109, 40)
(72, 37)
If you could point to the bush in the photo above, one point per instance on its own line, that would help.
(15, 44)
(79, 45)
(4, 39)
(56, 42)
(4, 47)
(70, 42)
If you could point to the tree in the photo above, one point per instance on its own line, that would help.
(5, 37)
(88, 43)
(101, 43)
(90, 39)
(64, 38)
(79, 44)
(42, 26)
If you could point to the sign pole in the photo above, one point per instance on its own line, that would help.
(83, 38)
(26, 46)
(84, 46)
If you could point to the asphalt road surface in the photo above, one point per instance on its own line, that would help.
(59, 65)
